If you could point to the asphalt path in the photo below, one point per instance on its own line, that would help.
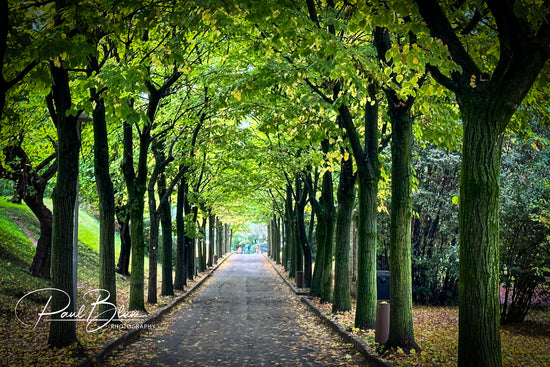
(244, 315)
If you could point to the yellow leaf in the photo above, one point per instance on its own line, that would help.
(237, 94)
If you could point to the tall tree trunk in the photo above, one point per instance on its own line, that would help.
(123, 219)
(326, 201)
(487, 103)
(219, 238)
(136, 187)
(167, 288)
(41, 261)
(190, 237)
(156, 215)
(211, 237)
(321, 285)
(304, 249)
(227, 238)
(154, 224)
(368, 173)
(346, 198)
(479, 287)
(278, 240)
(399, 110)
(203, 254)
(180, 278)
(291, 233)
(401, 323)
(63, 331)
(286, 243)
(106, 195)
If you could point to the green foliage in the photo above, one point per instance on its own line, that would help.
(434, 227)
(525, 223)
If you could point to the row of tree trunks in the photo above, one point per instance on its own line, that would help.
(321, 285)
(274, 239)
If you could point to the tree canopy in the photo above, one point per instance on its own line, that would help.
(258, 111)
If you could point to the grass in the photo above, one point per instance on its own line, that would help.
(25, 344)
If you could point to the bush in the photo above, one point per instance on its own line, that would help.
(525, 219)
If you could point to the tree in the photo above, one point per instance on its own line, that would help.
(30, 183)
(488, 94)
(106, 195)
(14, 50)
(346, 198)
(401, 331)
(324, 232)
(63, 332)
(136, 187)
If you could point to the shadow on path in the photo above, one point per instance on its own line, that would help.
(244, 315)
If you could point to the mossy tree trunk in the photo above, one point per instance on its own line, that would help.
(368, 173)
(401, 323)
(180, 279)
(136, 187)
(106, 195)
(63, 331)
(211, 237)
(346, 198)
(321, 285)
(487, 101)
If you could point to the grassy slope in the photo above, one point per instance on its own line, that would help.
(25, 344)
(17, 251)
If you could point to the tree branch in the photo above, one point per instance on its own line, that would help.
(439, 26)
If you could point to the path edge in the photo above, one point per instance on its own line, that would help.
(360, 345)
(126, 338)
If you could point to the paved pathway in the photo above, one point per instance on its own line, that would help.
(244, 315)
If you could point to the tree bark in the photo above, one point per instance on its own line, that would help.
(190, 234)
(291, 236)
(211, 237)
(202, 245)
(41, 261)
(479, 284)
(123, 219)
(368, 173)
(304, 254)
(401, 323)
(321, 285)
(105, 192)
(165, 211)
(487, 103)
(180, 277)
(346, 198)
(219, 238)
(136, 187)
(63, 331)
